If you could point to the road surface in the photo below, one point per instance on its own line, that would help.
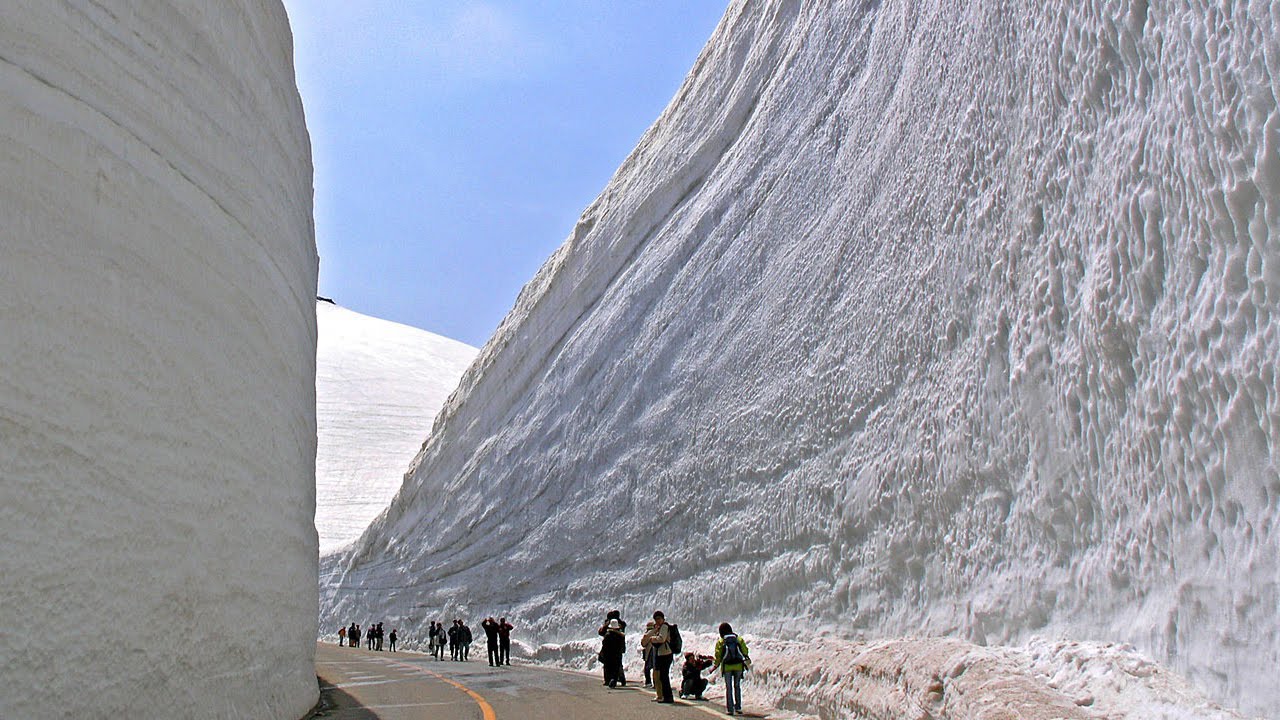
(362, 685)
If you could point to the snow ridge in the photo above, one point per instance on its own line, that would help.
(902, 319)
(379, 385)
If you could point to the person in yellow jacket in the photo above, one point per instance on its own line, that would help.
(732, 659)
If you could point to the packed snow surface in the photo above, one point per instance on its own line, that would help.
(904, 319)
(379, 385)
(157, 344)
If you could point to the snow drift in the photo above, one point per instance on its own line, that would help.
(904, 318)
(157, 337)
(379, 385)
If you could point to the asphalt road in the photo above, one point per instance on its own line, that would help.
(362, 685)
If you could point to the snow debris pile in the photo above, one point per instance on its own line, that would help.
(951, 678)
(904, 319)
(379, 385)
(157, 330)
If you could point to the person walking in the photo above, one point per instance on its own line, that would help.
(353, 636)
(659, 640)
(441, 639)
(342, 636)
(612, 648)
(504, 641)
(733, 660)
(392, 639)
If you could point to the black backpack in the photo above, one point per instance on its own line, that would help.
(673, 640)
(732, 650)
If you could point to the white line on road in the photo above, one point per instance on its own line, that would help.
(389, 707)
(365, 683)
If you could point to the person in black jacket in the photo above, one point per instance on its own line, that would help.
(504, 641)
(491, 635)
(692, 684)
(612, 648)
(455, 647)
(464, 639)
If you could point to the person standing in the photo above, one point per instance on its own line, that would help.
(465, 637)
(491, 637)
(733, 660)
(392, 639)
(504, 641)
(453, 641)
(353, 636)
(659, 640)
(432, 631)
(646, 652)
(616, 615)
(612, 648)
(342, 636)
(441, 640)
(377, 638)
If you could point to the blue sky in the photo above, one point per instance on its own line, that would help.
(456, 141)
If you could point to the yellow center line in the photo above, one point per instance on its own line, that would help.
(486, 710)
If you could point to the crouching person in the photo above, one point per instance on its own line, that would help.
(733, 661)
(692, 684)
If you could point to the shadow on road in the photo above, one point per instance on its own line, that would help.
(335, 703)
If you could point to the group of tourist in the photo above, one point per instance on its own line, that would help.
(373, 635)
(660, 645)
(457, 637)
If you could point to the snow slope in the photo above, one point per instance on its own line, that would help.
(905, 318)
(379, 385)
(157, 336)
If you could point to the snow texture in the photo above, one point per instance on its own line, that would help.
(379, 385)
(904, 318)
(157, 338)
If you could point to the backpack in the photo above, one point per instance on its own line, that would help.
(673, 640)
(732, 650)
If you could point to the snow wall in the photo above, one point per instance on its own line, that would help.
(157, 336)
(904, 318)
(379, 384)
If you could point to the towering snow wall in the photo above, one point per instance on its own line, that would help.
(157, 345)
(905, 317)
(379, 385)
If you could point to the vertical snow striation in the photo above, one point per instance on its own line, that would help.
(379, 384)
(903, 318)
(157, 344)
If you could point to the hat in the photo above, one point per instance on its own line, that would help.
(615, 625)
